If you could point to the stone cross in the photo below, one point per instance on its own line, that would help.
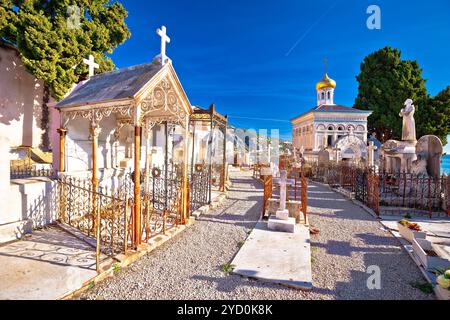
(92, 65)
(372, 147)
(283, 182)
(164, 39)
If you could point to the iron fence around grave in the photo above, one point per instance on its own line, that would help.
(388, 193)
(413, 193)
(102, 217)
(336, 175)
(106, 217)
(161, 187)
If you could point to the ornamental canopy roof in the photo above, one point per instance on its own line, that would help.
(114, 85)
(210, 114)
(149, 93)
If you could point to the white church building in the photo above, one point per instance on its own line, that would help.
(338, 130)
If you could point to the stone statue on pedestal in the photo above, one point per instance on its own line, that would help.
(409, 124)
(422, 157)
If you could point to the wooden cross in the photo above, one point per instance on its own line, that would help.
(92, 65)
(164, 39)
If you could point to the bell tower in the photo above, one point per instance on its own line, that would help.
(325, 90)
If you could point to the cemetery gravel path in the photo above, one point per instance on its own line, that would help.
(189, 265)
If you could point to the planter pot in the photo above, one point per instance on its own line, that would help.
(420, 246)
(409, 234)
(441, 293)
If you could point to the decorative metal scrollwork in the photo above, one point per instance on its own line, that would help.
(99, 112)
(163, 99)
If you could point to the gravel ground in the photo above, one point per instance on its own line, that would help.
(189, 265)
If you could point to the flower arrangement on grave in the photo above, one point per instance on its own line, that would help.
(410, 225)
(443, 280)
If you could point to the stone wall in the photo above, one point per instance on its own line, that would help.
(21, 101)
(31, 204)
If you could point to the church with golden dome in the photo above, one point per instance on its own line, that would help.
(335, 131)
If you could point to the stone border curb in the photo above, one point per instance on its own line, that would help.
(217, 202)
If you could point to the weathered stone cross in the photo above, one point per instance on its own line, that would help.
(164, 39)
(92, 65)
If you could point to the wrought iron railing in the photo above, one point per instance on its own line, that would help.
(199, 186)
(388, 193)
(106, 216)
(24, 173)
(156, 221)
(100, 216)
(421, 193)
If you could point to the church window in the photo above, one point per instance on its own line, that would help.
(330, 141)
(329, 95)
(323, 95)
(330, 128)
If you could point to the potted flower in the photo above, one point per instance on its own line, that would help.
(410, 230)
(443, 284)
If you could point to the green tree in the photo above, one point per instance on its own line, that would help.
(53, 36)
(385, 82)
(437, 116)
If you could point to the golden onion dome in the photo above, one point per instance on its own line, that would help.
(326, 82)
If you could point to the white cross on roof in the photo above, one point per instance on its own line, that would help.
(164, 39)
(92, 65)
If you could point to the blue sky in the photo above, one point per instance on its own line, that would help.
(259, 61)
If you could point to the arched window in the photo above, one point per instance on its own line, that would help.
(323, 95)
(330, 140)
(329, 95)
(330, 128)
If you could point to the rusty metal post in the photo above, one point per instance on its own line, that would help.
(94, 133)
(304, 195)
(125, 236)
(376, 194)
(95, 130)
(137, 185)
(224, 177)
(185, 205)
(447, 193)
(62, 148)
(429, 198)
(268, 187)
(97, 235)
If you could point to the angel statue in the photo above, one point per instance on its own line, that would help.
(409, 125)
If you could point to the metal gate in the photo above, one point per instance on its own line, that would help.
(361, 185)
(200, 187)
